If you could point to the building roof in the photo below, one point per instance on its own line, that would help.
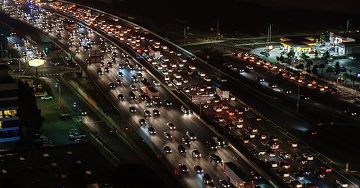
(298, 41)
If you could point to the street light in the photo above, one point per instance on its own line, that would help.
(36, 63)
(298, 96)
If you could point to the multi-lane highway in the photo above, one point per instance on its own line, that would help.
(182, 78)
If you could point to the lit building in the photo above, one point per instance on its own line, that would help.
(298, 44)
(9, 119)
(345, 44)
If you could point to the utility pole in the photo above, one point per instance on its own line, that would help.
(298, 98)
(184, 34)
(347, 26)
(218, 29)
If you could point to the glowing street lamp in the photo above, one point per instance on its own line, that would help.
(36, 63)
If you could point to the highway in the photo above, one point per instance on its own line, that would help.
(186, 122)
(183, 122)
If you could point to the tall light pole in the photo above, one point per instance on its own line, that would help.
(298, 96)
(36, 63)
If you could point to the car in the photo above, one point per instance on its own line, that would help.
(181, 149)
(147, 113)
(132, 109)
(212, 145)
(76, 135)
(220, 142)
(287, 91)
(157, 102)
(82, 112)
(106, 69)
(156, 83)
(132, 95)
(133, 87)
(341, 184)
(224, 183)
(167, 136)
(119, 82)
(151, 130)
(186, 141)
(168, 103)
(260, 79)
(305, 98)
(73, 131)
(293, 144)
(272, 85)
(112, 85)
(142, 122)
(207, 179)
(79, 141)
(195, 153)
(171, 126)
(99, 71)
(46, 97)
(120, 96)
(350, 112)
(148, 103)
(167, 149)
(191, 135)
(215, 158)
(198, 169)
(156, 113)
(183, 168)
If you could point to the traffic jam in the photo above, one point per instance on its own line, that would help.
(147, 100)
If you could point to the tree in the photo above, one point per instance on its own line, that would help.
(329, 70)
(291, 53)
(316, 54)
(304, 57)
(322, 66)
(326, 55)
(308, 65)
(314, 69)
(353, 79)
(300, 66)
(345, 76)
(337, 68)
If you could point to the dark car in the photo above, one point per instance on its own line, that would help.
(120, 96)
(132, 95)
(112, 85)
(142, 122)
(186, 141)
(181, 149)
(151, 130)
(132, 109)
(215, 158)
(207, 179)
(183, 168)
(167, 136)
(212, 145)
(167, 149)
(168, 103)
(156, 113)
(198, 169)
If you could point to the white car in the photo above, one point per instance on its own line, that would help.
(47, 97)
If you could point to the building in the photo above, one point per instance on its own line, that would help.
(298, 44)
(345, 44)
(9, 119)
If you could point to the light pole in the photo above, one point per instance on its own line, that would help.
(36, 63)
(298, 96)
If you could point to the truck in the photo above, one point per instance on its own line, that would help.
(155, 54)
(236, 176)
(149, 90)
(95, 56)
(223, 93)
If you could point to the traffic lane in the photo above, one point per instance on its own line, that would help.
(313, 93)
(96, 125)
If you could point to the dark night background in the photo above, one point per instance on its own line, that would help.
(247, 17)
